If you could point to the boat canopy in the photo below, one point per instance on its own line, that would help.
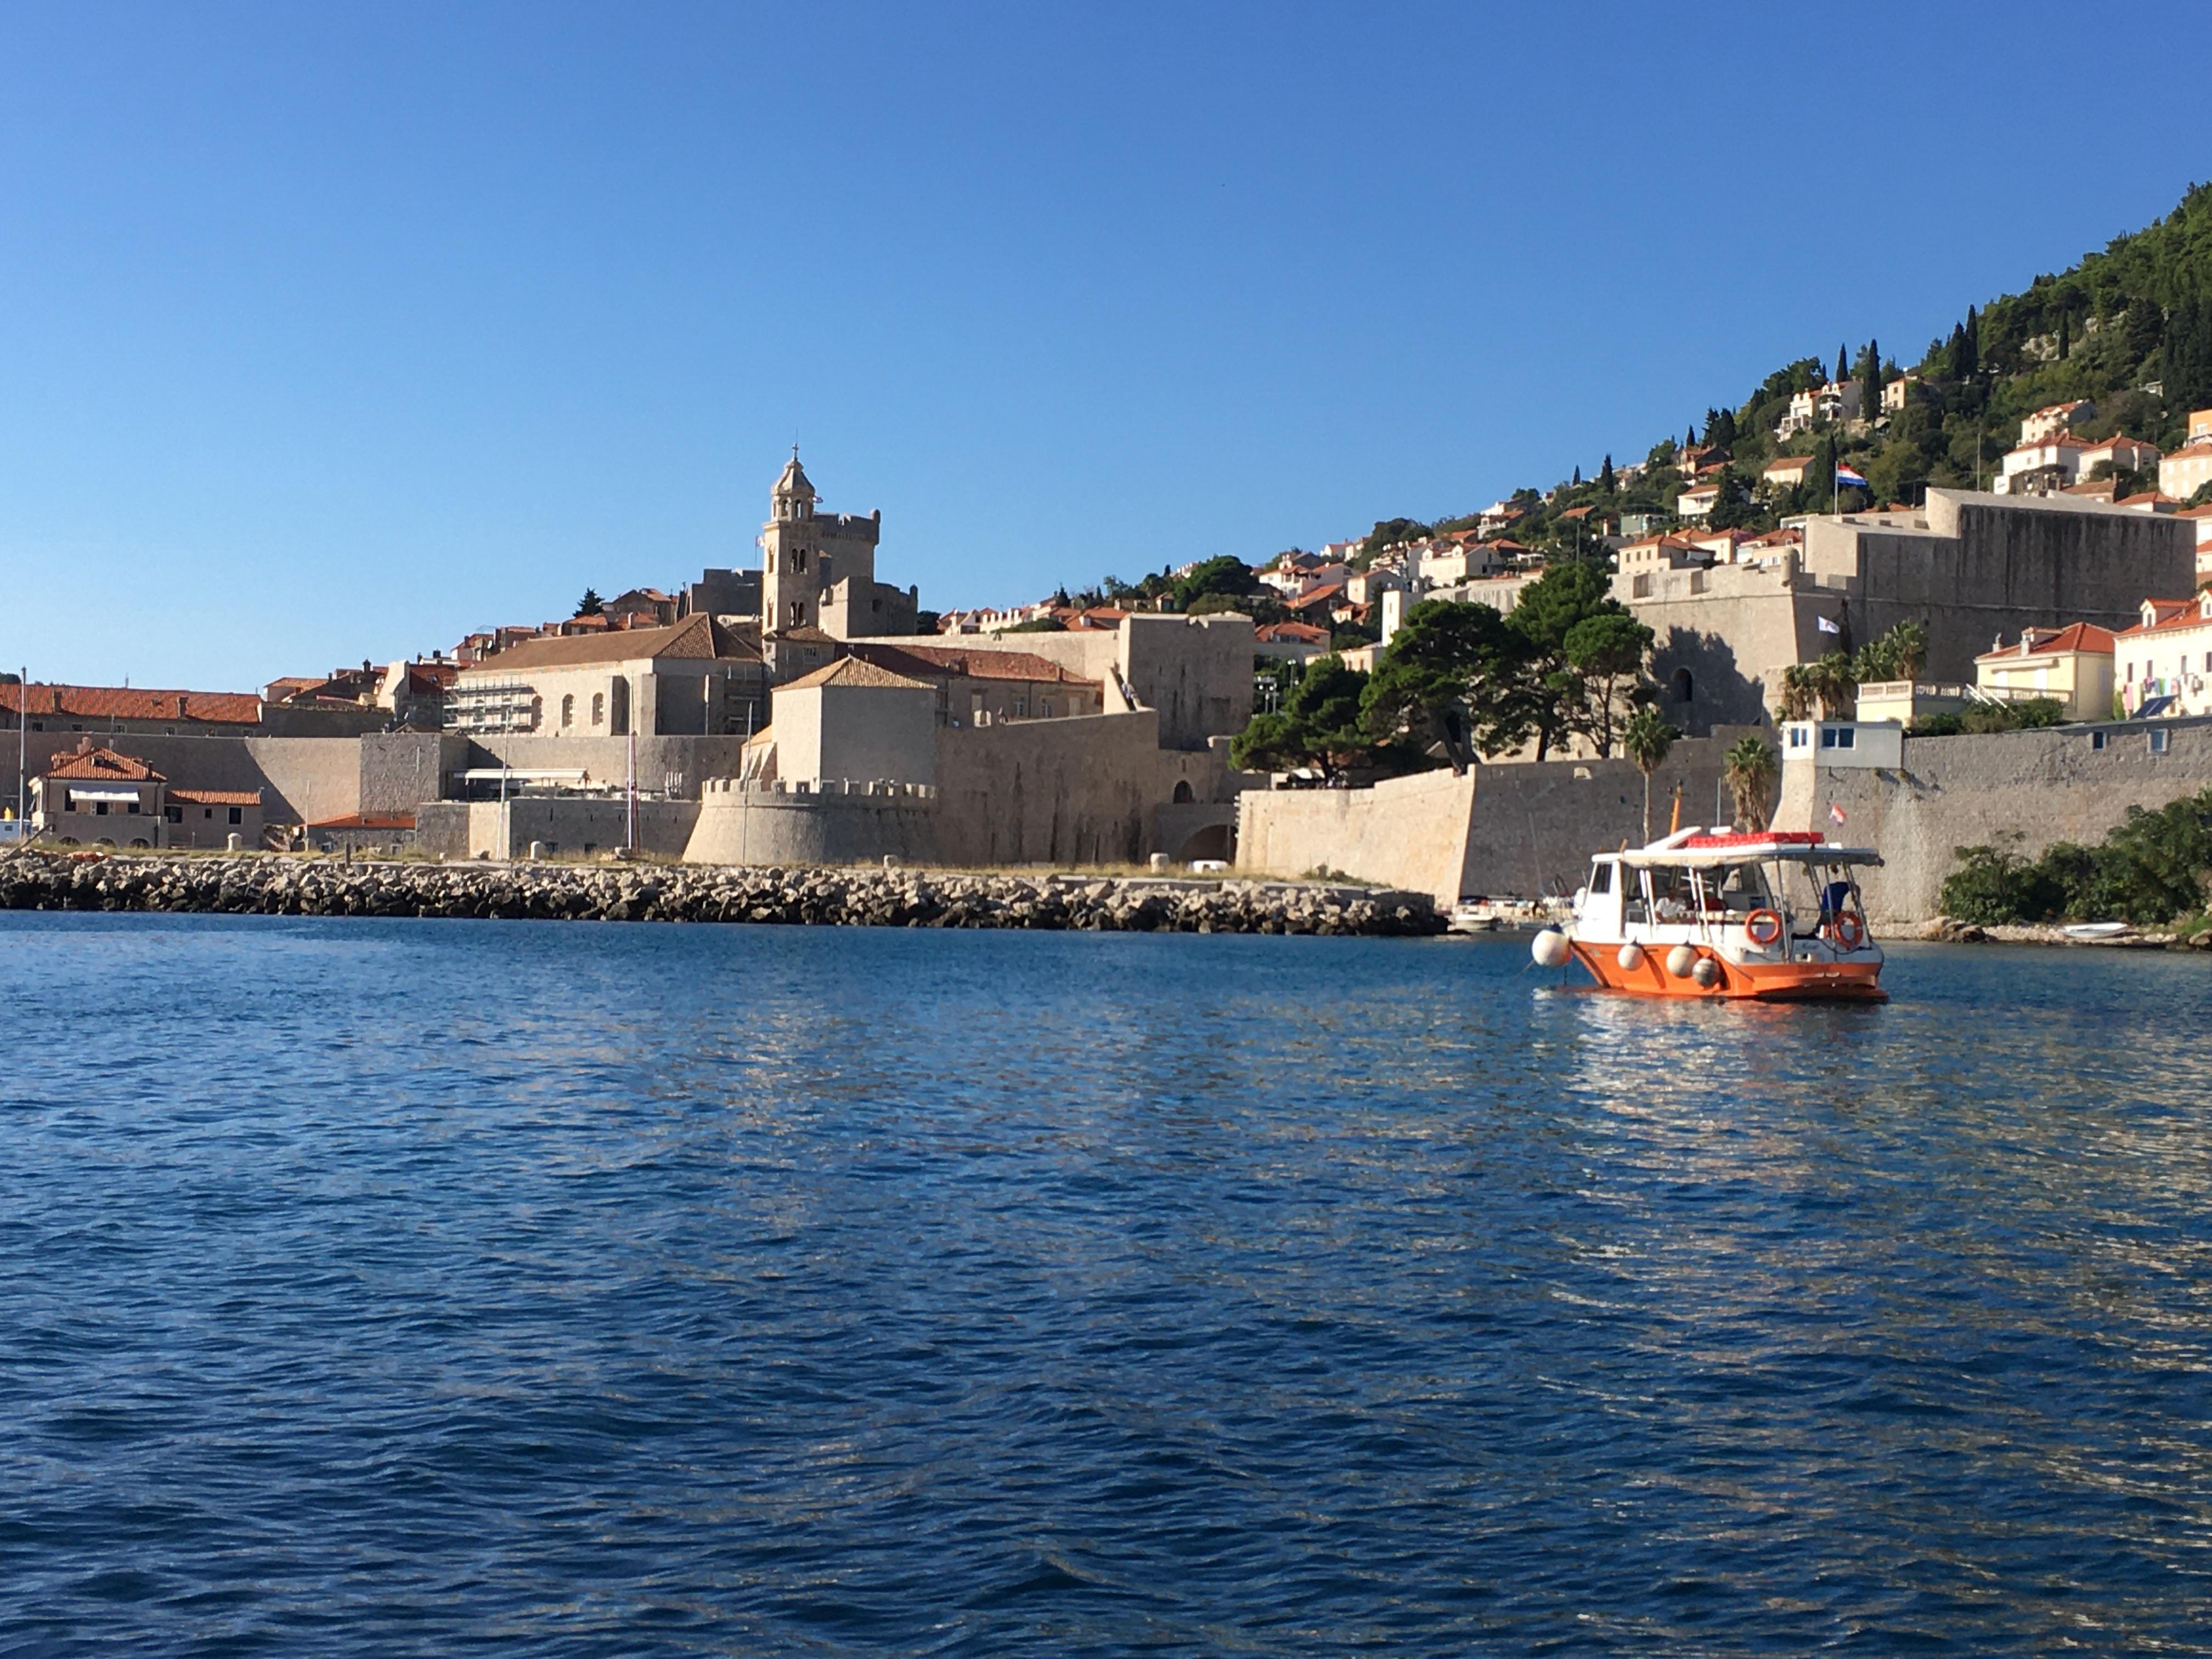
(1695, 848)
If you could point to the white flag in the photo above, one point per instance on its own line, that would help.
(1827, 627)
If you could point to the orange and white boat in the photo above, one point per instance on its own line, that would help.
(1774, 917)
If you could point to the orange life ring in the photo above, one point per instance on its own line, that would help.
(1850, 931)
(1763, 926)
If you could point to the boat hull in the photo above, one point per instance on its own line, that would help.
(1775, 982)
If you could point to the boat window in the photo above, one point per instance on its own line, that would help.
(1600, 880)
(1740, 889)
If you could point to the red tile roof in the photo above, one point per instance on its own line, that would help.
(84, 765)
(969, 663)
(106, 702)
(2077, 636)
(2165, 614)
(362, 821)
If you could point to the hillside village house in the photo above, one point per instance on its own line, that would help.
(1896, 393)
(697, 678)
(1697, 502)
(2047, 465)
(1786, 473)
(2072, 663)
(2165, 659)
(97, 796)
(2188, 469)
(2055, 420)
(1836, 401)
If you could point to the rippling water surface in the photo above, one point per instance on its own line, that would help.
(439, 1287)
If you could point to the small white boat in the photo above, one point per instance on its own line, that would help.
(2097, 929)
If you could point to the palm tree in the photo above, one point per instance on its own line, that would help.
(1750, 770)
(1645, 738)
(1912, 649)
(1796, 692)
(1835, 684)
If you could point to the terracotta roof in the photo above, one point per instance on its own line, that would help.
(103, 703)
(1290, 634)
(2168, 614)
(853, 671)
(2077, 636)
(216, 796)
(961, 662)
(85, 765)
(699, 638)
(360, 820)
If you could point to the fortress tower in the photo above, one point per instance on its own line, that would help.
(818, 568)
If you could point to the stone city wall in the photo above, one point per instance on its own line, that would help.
(1515, 829)
(836, 822)
(2043, 787)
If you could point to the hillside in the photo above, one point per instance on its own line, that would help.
(2128, 328)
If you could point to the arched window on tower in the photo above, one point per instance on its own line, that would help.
(1684, 686)
(567, 712)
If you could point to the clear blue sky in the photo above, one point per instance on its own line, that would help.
(334, 332)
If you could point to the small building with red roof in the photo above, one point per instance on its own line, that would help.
(93, 795)
(2072, 663)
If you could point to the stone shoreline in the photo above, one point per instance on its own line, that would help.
(266, 884)
(1949, 930)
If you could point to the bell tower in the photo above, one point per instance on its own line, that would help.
(791, 545)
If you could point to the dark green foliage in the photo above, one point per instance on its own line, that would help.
(2153, 866)
(1979, 719)
(1733, 506)
(1549, 609)
(1041, 625)
(1898, 654)
(2188, 356)
(1606, 652)
(1606, 480)
(1224, 573)
(1720, 427)
(1457, 676)
(1318, 724)
(591, 604)
(1388, 532)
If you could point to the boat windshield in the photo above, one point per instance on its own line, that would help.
(1717, 892)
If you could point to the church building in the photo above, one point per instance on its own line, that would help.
(819, 570)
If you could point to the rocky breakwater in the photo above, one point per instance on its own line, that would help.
(275, 886)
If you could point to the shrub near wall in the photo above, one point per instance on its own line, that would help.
(2155, 866)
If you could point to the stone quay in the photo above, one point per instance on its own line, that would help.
(266, 884)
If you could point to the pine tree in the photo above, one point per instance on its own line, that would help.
(591, 604)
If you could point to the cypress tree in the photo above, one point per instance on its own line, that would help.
(1577, 483)
(1605, 480)
(1973, 344)
(1954, 354)
(1842, 365)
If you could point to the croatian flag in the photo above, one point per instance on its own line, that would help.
(1827, 627)
(1844, 475)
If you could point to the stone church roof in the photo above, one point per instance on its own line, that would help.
(697, 637)
(851, 671)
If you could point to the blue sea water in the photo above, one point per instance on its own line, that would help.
(440, 1287)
